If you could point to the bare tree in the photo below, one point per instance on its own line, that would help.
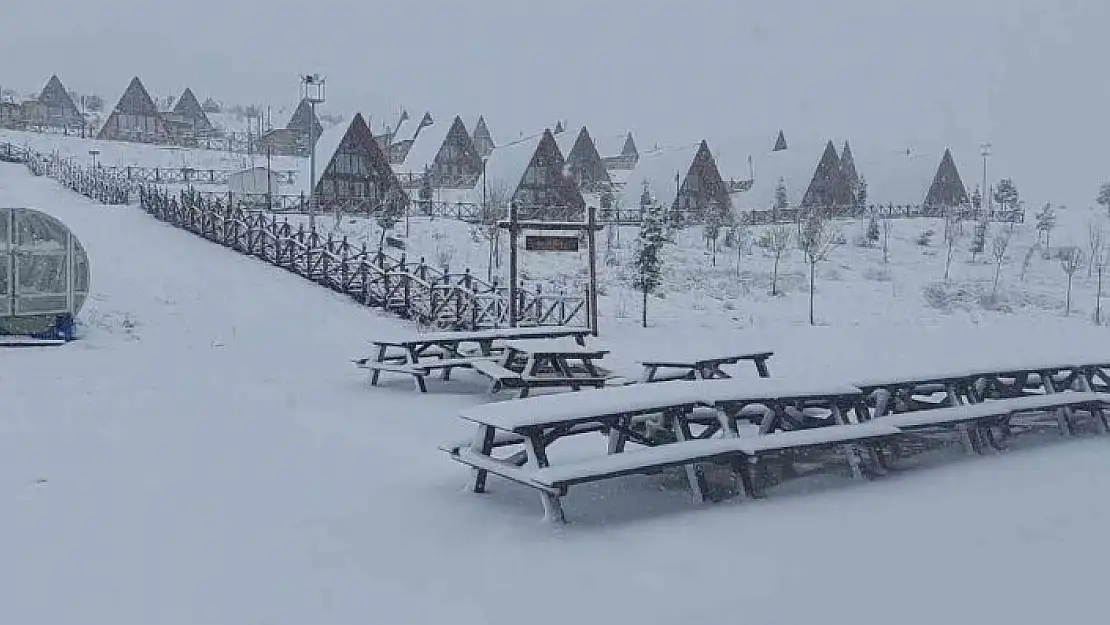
(777, 242)
(953, 231)
(1096, 241)
(1099, 262)
(1070, 261)
(817, 238)
(494, 207)
(887, 225)
(741, 233)
(999, 246)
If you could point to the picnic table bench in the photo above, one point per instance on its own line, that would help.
(704, 366)
(419, 354)
(553, 363)
(538, 422)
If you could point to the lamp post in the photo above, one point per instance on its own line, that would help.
(94, 154)
(313, 90)
(985, 151)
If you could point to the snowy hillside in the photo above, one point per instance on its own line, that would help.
(207, 453)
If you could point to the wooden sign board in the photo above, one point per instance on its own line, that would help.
(550, 243)
(394, 243)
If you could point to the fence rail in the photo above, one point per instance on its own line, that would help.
(185, 175)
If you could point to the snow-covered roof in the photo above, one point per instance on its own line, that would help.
(426, 146)
(658, 168)
(794, 166)
(897, 176)
(452, 196)
(507, 163)
(326, 146)
(610, 144)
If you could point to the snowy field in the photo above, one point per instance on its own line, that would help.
(207, 454)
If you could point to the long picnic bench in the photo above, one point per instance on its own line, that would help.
(702, 365)
(536, 423)
(417, 355)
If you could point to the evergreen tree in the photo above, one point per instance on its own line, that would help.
(780, 194)
(873, 230)
(1006, 195)
(861, 195)
(649, 253)
(1104, 196)
(1046, 222)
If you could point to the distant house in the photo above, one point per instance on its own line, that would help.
(56, 108)
(947, 189)
(483, 140)
(135, 118)
(619, 152)
(829, 188)
(190, 112)
(353, 172)
(531, 174)
(11, 115)
(683, 179)
(405, 136)
(295, 139)
(253, 181)
(583, 161)
(442, 156)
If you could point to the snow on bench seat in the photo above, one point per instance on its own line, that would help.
(987, 368)
(417, 370)
(828, 435)
(495, 371)
(636, 461)
(993, 408)
(733, 390)
(546, 410)
(488, 335)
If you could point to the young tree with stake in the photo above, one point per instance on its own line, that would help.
(979, 237)
(1099, 261)
(1104, 196)
(1070, 262)
(817, 238)
(649, 253)
(777, 243)
(999, 246)
(1096, 240)
(887, 224)
(953, 231)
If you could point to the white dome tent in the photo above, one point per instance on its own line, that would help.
(44, 276)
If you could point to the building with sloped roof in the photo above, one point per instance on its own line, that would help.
(532, 173)
(947, 189)
(442, 156)
(135, 118)
(56, 108)
(583, 161)
(352, 171)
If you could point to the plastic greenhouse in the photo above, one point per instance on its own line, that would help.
(44, 275)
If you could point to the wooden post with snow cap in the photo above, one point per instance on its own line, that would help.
(513, 229)
(591, 237)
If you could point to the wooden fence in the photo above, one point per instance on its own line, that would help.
(414, 291)
(185, 175)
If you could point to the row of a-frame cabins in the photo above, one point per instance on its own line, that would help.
(554, 172)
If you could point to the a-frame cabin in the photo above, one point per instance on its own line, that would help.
(532, 173)
(188, 108)
(135, 118)
(625, 159)
(584, 163)
(443, 156)
(703, 188)
(947, 190)
(483, 140)
(353, 172)
(829, 188)
(685, 180)
(56, 108)
(304, 122)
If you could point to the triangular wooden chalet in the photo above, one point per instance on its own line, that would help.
(442, 156)
(483, 140)
(532, 173)
(848, 169)
(188, 108)
(56, 107)
(304, 122)
(623, 159)
(947, 190)
(135, 118)
(405, 136)
(780, 143)
(352, 171)
(583, 161)
(684, 179)
(828, 188)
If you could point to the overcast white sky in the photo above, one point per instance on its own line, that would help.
(1027, 74)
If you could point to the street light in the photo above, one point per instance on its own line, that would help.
(94, 154)
(985, 151)
(313, 90)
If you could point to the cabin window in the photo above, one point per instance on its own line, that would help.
(344, 189)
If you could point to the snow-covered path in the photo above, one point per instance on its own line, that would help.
(208, 454)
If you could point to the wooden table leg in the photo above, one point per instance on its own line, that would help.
(694, 473)
(377, 372)
(537, 459)
(648, 374)
(1063, 415)
(483, 442)
(414, 360)
(761, 368)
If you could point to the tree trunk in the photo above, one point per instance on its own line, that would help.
(775, 277)
(1067, 300)
(1098, 299)
(997, 272)
(812, 280)
(643, 318)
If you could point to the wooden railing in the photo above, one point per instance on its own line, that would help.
(414, 291)
(186, 175)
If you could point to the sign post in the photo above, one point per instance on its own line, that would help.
(552, 242)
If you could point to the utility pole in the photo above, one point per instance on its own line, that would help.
(313, 90)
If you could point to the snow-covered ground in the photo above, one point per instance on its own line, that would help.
(207, 453)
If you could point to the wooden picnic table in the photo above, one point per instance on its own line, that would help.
(552, 363)
(703, 366)
(538, 422)
(418, 354)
